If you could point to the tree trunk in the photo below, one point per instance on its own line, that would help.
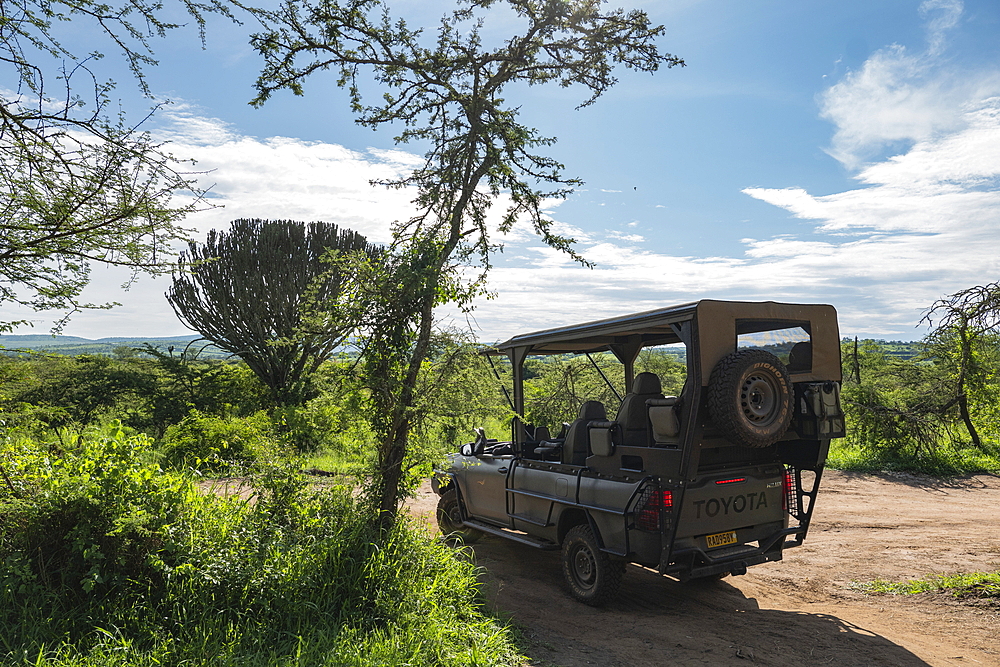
(963, 398)
(963, 408)
(393, 449)
(857, 362)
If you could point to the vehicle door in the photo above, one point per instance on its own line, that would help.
(486, 487)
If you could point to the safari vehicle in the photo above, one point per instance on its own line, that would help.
(700, 485)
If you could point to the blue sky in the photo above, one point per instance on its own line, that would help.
(836, 152)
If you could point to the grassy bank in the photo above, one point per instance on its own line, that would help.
(942, 461)
(105, 558)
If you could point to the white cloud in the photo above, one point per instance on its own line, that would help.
(286, 178)
(921, 223)
(631, 238)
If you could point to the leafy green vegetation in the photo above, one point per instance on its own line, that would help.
(944, 461)
(973, 586)
(107, 558)
(905, 413)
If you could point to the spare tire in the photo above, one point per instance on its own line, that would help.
(750, 398)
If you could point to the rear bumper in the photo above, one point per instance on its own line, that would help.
(692, 563)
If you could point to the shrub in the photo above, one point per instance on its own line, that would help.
(287, 576)
(219, 445)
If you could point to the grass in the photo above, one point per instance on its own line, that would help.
(944, 461)
(977, 585)
(106, 559)
(334, 462)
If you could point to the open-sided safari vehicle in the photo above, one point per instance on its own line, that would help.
(704, 484)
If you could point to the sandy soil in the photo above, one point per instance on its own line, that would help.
(801, 611)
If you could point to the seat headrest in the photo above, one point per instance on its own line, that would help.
(800, 357)
(646, 383)
(592, 410)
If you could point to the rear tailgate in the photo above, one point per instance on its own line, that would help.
(732, 500)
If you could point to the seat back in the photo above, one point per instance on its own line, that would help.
(576, 448)
(632, 414)
(800, 358)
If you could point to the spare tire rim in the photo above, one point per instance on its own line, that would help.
(759, 399)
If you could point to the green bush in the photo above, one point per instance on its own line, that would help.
(82, 525)
(114, 561)
(219, 445)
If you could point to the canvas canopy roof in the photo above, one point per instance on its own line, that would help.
(709, 327)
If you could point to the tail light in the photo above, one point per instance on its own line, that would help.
(788, 499)
(656, 500)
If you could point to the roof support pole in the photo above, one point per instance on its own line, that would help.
(626, 351)
(517, 356)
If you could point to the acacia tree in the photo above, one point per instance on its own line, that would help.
(267, 292)
(445, 91)
(968, 324)
(79, 184)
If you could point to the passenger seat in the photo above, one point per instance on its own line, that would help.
(632, 414)
(576, 449)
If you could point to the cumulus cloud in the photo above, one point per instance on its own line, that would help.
(923, 221)
(291, 179)
(900, 96)
(631, 238)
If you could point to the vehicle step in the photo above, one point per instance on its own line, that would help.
(523, 538)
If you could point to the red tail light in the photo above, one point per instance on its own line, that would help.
(786, 497)
(667, 499)
(648, 517)
(734, 480)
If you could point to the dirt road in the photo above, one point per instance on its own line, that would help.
(801, 611)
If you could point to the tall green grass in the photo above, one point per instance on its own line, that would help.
(105, 559)
(944, 461)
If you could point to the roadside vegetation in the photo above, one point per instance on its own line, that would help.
(976, 587)
(110, 553)
(108, 558)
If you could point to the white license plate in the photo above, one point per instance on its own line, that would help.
(721, 539)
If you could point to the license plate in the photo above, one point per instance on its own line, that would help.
(721, 539)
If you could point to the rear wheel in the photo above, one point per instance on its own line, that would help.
(593, 577)
(449, 518)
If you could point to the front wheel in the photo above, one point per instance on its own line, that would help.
(593, 577)
(449, 518)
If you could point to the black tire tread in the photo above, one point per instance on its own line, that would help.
(724, 385)
(610, 570)
(449, 530)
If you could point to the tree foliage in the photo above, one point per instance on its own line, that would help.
(445, 91)
(966, 335)
(79, 183)
(268, 292)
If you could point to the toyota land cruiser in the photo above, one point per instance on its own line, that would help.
(704, 484)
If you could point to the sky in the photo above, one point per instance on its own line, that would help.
(842, 152)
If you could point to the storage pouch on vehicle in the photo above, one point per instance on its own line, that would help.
(819, 414)
(603, 437)
(663, 419)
